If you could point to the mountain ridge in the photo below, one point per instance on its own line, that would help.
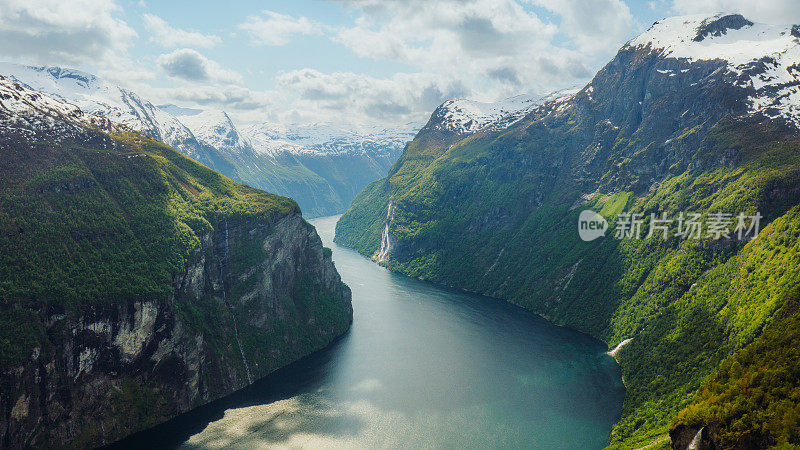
(764, 57)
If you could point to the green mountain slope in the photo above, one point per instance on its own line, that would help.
(135, 283)
(496, 212)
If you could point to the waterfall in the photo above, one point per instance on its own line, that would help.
(241, 350)
(386, 244)
(697, 440)
(230, 310)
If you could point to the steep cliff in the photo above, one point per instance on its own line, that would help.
(135, 283)
(697, 115)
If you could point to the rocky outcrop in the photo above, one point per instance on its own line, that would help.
(258, 294)
(720, 26)
(706, 437)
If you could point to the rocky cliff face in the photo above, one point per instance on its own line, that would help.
(136, 284)
(104, 373)
(697, 438)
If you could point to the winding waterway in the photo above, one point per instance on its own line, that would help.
(423, 366)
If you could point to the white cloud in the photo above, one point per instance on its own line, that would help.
(363, 99)
(167, 36)
(597, 25)
(767, 11)
(424, 33)
(309, 96)
(492, 48)
(272, 28)
(233, 97)
(191, 65)
(59, 32)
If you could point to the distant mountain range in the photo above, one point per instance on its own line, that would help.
(321, 166)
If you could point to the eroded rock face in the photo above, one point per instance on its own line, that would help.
(258, 294)
(692, 438)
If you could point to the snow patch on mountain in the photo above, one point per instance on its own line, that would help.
(26, 112)
(469, 116)
(98, 97)
(215, 129)
(328, 139)
(18, 99)
(763, 58)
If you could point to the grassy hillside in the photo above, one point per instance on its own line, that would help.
(99, 219)
(753, 400)
(288, 176)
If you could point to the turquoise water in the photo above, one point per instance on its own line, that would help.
(424, 366)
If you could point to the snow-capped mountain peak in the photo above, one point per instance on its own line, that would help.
(328, 139)
(468, 116)
(215, 129)
(98, 97)
(728, 37)
(17, 99)
(762, 58)
(26, 112)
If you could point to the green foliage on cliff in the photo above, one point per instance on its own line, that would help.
(497, 214)
(362, 229)
(753, 400)
(729, 306)
(20, 331)
(101, 219)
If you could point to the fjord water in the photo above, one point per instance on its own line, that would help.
(426, 366)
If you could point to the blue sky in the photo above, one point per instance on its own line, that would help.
(363, 62)
(257, 63)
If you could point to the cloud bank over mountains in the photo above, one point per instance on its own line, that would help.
(358, 61)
